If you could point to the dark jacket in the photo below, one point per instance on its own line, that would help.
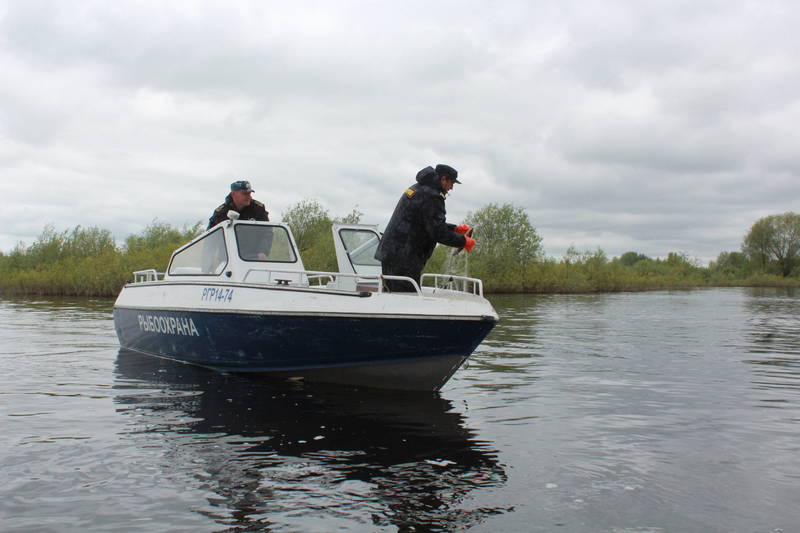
(417, 224)
(255, 211)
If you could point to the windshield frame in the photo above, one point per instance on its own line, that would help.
(275, 229)
(182, 249)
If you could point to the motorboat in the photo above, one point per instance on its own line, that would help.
(238, 299)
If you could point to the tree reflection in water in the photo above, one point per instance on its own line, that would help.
(773, 339)
(275, 455)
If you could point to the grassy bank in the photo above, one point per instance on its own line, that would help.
(88, 262)
(590, 272)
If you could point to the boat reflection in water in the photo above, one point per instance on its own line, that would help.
(274, 454)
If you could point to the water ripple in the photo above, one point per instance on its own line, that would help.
(665, 411)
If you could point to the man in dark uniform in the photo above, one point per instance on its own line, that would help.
(417, 224)
(240, 200)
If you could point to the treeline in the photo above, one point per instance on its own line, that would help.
(87, 261)
(509, 257)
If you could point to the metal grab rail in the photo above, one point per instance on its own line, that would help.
(144, 276)
(455, 283)
(412, 282)
(307, 277)
(313, 278)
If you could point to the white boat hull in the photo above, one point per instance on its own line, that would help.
(378, 339)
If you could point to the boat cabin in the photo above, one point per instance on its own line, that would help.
(247, 251)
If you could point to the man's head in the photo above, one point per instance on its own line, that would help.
(241, 194)
(447, 176)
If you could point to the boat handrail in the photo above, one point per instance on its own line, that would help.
(144, 276)
(309, 276)
(455, 283)
(411, 281)
(316, 278)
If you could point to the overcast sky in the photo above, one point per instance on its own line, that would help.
(651, 126)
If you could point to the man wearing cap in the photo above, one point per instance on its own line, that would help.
(240, 200)
(417, 224)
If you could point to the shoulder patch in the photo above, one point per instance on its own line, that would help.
(410, 192)
(259, 204)
(219, 209)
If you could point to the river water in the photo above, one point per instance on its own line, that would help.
(644, 412)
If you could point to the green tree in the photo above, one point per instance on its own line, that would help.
(732, 265)
(680, 259)
(88, 242)
(353, 217)
(756, 243)
(308, 221)
(311, 226)
(52, 246)
(154, 246)
(47, 249)
(507, 243)
(775, 238)
(631, 258)
(161, 235)
(505, 231)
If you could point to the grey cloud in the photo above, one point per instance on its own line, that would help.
(259, 50)
(650, 145)
(614, 124)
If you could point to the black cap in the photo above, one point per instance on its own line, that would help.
(448, 172)
(243, 186)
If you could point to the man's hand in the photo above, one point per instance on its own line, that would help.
(469, 244)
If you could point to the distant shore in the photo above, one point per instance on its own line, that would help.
(88, 262)
(60, 283)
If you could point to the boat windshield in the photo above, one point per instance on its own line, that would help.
(264, 243)
(206, 256)
(360, 246)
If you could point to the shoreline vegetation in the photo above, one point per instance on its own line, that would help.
(508, 258)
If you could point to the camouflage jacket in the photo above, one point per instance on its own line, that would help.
(255, 211)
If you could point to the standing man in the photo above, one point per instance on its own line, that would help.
(241, 200)
(417, 224)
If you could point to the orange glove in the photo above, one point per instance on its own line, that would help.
(463, 229)
(470, 242)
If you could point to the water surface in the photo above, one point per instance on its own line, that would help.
(646, 412)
